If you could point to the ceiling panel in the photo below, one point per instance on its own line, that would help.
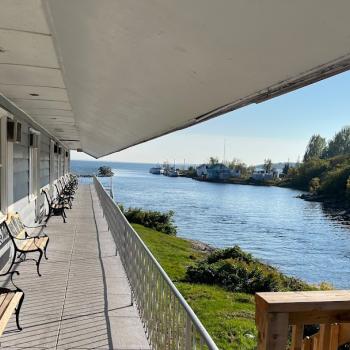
(37, 103)
(49, 112)
(27, 49)
(34, 76)
(15, 91)
(24, 15)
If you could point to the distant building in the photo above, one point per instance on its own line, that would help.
(235, 173)
(218, 172)
(202, 170)
(262, 175)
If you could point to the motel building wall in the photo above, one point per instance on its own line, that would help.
(30, 160)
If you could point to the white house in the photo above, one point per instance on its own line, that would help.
(263, 175)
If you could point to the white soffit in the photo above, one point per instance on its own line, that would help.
(30, 74)
(126, 71)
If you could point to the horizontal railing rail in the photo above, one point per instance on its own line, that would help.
(85, 180)
(169, 321)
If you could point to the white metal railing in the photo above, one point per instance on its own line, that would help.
(169, 322)
(85, 180)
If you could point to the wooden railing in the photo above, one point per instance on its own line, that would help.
(281, 318)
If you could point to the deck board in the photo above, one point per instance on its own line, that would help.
(82, 300)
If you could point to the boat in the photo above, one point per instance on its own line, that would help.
(157, 170)
(171, 172)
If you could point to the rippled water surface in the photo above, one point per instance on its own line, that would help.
(295, 235)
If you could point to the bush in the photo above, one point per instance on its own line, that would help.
(234, 253)
(327, 178)
(335, 184)
(238, 271)
(162, 222)
(105, 171)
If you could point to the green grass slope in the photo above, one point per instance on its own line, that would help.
(227, 316)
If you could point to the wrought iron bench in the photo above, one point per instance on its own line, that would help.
(56, 206)
(69, 183)
(63, 197)
(25, 243)
(10, 299)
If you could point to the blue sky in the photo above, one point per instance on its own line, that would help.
(278, 129)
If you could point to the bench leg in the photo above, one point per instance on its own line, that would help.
(18, 309)
(63, 214)
(38, 261)
(48, 215)
(21, 257)
(47, 243)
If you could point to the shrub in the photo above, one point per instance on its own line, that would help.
(162, 222)
(335, 184)
(234, 253)
(238, 271)
(325, 177)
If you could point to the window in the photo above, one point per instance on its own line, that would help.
(33, 164)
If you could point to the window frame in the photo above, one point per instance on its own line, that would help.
(34, 162)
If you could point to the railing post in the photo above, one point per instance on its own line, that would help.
(273, 331)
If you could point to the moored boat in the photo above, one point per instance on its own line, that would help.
(156, 170)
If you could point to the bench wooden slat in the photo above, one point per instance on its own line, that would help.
(38, 242)
(2, 298)
(4, 304)
(5, 314)
(24, 245)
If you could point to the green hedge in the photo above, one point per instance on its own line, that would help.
(156, 220)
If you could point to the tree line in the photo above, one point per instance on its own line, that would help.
(319, 148)
(325, 171)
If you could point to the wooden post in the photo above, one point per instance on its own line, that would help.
(297, 337)
(274, 335)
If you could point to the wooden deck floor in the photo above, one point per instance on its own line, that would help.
(82, 300)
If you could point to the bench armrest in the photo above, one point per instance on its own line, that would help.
(39, 235)
(11, 273)
(39, 225)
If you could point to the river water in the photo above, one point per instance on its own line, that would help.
(271, 223)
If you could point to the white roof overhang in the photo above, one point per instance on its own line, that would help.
(110, 74)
